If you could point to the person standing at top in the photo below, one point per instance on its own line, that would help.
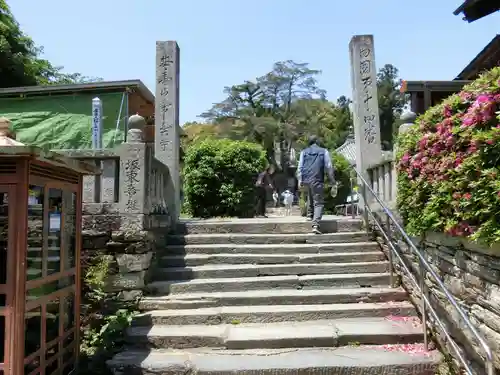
(313, 162)
(263, 181)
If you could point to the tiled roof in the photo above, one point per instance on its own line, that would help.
(474, 10)
(348, 150)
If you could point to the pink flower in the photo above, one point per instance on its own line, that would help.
(447, 122)
(467, 196)
(456, 196)
(465, 96)
(489, 141)
(447, 111)
(405, 159)
(483, 98)
(498, 194)
(469, 121)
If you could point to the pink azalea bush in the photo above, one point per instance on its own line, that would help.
(449, 165)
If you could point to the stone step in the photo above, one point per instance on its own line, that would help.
(311, 361)
(269, 282)
(193, 260)
(273, 297)
(253, 270)
(274, 225)
(273, 249)
(280, 211)
(272, 313)
(319, 333)
(243, 238)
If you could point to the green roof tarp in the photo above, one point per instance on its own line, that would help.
(63, 121)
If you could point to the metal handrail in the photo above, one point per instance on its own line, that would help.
(425, 268)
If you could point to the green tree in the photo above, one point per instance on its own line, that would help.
(270, 110)
(331, 122)
(193, 132)
(20, 62)
(390, 101)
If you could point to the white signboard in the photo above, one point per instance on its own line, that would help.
(55, 222)
(96, 123)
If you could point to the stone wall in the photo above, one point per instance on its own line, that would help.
(128, 250)
(471, 274)
(125, 211)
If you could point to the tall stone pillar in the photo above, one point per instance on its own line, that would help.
(167, 132)
(365, 103)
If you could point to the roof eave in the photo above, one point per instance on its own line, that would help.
(417, 86)
(49, 157)
(105, 85)
(491, 47)
(472, 11)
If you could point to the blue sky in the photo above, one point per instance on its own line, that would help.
(225, 42)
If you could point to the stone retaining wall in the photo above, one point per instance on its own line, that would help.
(128, 248)
(472, 274)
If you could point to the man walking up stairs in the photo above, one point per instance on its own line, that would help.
(263, 296)
(314, 161)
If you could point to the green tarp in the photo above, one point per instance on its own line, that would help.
(63, 121)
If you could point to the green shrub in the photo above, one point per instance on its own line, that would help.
(104, 319)
(448, 165)
(343, 174)
(219, 178)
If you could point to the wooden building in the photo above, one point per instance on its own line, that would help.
(425, 94)
(40, 240)
(474, 10)
(67, 111)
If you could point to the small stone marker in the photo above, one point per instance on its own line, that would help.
(167, 135)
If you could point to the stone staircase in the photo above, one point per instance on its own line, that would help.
(266, 297)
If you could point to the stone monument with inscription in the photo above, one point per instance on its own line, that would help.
(365, 103)
(167, 133)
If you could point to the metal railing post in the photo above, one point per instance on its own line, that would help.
(423, 289)
(391, 264)
(352, 197)
(365, 208)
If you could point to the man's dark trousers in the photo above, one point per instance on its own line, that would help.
(261, 196)
(315, 202)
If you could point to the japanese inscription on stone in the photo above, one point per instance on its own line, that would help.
(164, 76)
(365, 72)
(364, 81)
(131, 182)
